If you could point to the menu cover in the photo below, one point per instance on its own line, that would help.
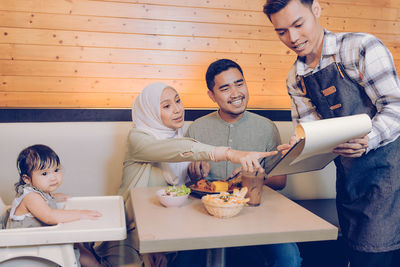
(316, 140)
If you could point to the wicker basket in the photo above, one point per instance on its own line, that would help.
(222, 211)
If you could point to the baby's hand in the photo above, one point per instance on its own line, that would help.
(61, 197)
(89, 214)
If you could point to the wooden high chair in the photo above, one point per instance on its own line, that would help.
(53, 245)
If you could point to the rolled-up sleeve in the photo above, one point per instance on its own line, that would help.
(382, 85)
(144, 147)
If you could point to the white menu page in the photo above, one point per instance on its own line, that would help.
(316, 140)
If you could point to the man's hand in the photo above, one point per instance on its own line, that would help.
(353, 148)
(234, 173)
(284, 148)
(198, 170)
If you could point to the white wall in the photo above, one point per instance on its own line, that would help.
(91, 154)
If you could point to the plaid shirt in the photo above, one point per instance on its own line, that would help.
(368, 62)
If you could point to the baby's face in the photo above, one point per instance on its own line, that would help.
(48, 180)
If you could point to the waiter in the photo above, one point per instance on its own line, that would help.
(344, 74)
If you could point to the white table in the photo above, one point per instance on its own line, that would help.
(276, 220)
(55, 242)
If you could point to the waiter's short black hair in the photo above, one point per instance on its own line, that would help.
(217, 67)
(274, 6)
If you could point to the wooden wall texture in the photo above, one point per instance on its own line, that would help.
(101, 53)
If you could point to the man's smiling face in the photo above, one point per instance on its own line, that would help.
(230, 93)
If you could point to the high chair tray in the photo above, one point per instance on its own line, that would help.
(111, 226)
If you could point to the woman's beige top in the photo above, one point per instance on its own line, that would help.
(145, 152)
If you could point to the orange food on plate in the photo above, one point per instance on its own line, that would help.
(217, 186)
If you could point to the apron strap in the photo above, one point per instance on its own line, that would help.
(303, 85)
(337, 65)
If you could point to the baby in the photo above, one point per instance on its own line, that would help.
(40, 176)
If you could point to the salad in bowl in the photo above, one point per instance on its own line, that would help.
(173, 196)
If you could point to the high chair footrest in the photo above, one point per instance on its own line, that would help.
(61, 254)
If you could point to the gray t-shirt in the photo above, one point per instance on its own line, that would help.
(251, 133)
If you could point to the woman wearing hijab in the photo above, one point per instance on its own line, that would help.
(158, 155)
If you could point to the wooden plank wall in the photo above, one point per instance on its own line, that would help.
(101, 53)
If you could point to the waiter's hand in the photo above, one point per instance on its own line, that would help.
(353, 148)
(198, 170)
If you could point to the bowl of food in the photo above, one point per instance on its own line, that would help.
(224, 204)
(173, 196)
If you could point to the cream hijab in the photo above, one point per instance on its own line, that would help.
(146, 116)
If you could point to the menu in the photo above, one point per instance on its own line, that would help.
(316, 140)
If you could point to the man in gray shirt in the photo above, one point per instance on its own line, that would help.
(232, 125)
(237, 128)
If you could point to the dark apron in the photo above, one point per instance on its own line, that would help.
(368, 187)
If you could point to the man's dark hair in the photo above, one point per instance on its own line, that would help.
(274, 6)
(217, 67)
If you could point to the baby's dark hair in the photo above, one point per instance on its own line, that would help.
(36, 157)
(274, 6)
(217, 67)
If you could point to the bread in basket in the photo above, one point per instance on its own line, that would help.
(224, 204)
